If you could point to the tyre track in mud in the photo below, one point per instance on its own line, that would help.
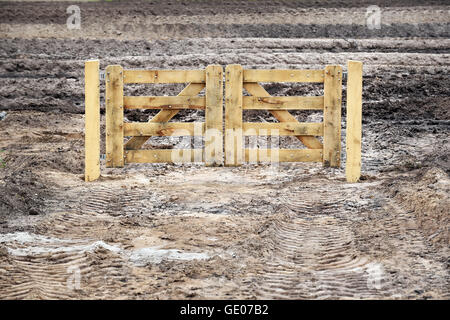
(311, 249)
(94, 239)
(316, 259)
(46, 265)
(312, 252)
(320, 248)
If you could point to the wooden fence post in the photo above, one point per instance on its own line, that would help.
(114, 116)
(213, 116)
(233, 115)
(91, 120)
(354, 121)
(332, 116)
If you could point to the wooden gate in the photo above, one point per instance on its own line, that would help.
(117, 153)
(327, 152)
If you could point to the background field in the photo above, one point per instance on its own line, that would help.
(167, 231)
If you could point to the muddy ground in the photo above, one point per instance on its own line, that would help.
(257, 231)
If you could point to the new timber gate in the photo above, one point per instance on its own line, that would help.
(214, 151)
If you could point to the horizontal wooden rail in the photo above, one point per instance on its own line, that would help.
(284, 129)
(284, 155)
(164, 155)
(155, 102)
(283, 103)
(164, 76)
(139, 129)
(283, 75)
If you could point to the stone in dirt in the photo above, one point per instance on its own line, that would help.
(33, 212)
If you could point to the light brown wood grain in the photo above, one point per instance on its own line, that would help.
(114, 116)
(332, 116)
(233, 115)
(277, 75)
(162, 129)
(214, 115)
(283, 155)
(163, 155)
(282, 103)
(354, 121)
(164, 76)
(92, 120)
(283, 129)
(169, 103)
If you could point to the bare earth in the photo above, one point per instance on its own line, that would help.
(189, 231)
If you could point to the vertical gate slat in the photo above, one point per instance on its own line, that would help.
(354, 121)
(213, 116)
(114, 116)
(233, 115)
(332, 116)
(92, 120)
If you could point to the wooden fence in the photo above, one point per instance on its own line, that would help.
(327, 151)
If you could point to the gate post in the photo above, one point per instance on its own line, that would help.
(213, 116)
(91, 120)
(114, 116)
(332, 116)
(354, 121)
(233, 115)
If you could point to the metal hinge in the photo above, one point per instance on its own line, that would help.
(102, 75)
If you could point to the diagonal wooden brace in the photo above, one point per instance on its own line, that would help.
(256, 89)
(192, 89)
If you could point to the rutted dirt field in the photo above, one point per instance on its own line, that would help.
(170, 231)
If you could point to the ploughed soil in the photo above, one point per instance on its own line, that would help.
(163, 231)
